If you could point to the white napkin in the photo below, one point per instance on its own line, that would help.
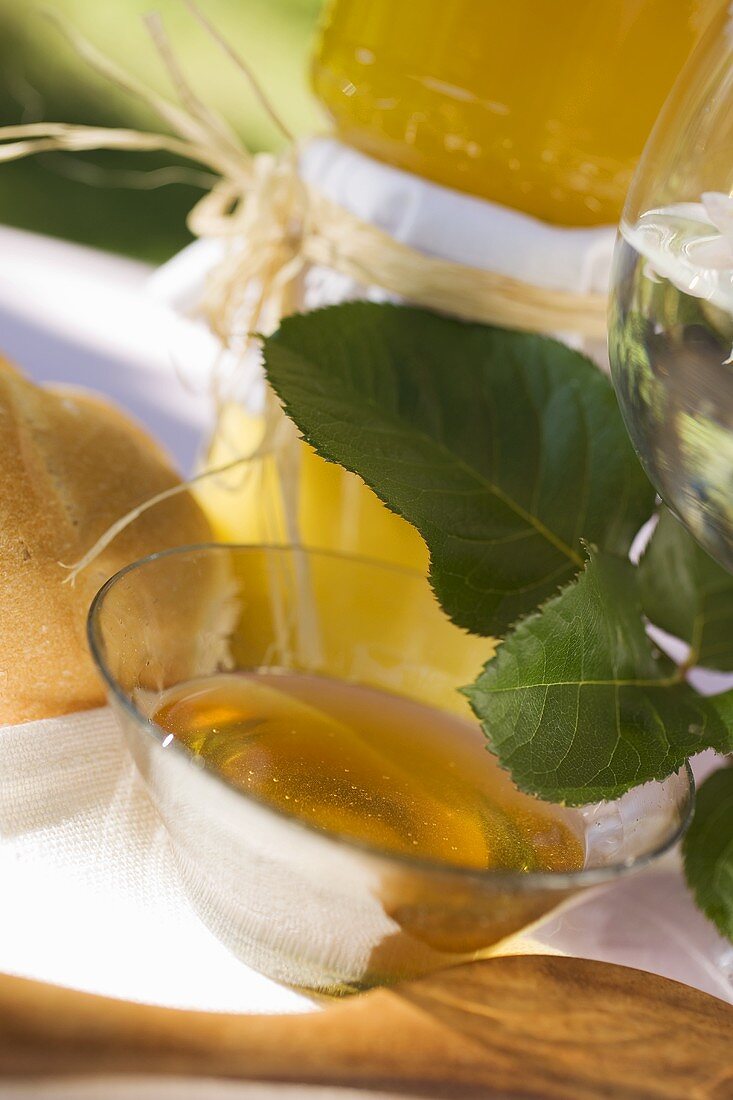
(90, 893)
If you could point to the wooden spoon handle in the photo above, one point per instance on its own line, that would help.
(46, 1029)
(511, 1027)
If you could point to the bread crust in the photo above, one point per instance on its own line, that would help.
(70, 465)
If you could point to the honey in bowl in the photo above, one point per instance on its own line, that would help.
(370, 766)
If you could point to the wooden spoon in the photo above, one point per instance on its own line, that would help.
(513, 1027)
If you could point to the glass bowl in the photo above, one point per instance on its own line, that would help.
(305, 906)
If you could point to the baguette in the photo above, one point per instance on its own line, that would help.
(70, 465)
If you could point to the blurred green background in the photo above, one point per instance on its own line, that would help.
(124, 202)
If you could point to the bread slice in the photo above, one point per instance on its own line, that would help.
(70, 465)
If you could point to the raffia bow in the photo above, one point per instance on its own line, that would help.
(279, 226)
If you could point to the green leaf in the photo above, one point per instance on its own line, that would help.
(503, 449)
(576, 705)
(708, 850)
(685, 592)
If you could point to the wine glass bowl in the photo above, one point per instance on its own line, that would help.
(671, 314)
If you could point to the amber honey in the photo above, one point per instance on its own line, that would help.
(544, 107)
(369, 766)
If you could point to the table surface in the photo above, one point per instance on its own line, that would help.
(73, 315)
(70, 314)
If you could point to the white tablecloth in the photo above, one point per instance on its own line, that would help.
(71, 314)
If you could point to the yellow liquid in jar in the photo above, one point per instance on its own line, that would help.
(542, 107)
(335, 510)
(371, 766)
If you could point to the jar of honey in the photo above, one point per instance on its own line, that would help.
(492, 134)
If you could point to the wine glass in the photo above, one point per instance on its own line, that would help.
(671, 317)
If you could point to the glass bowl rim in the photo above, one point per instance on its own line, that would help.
(526, 880)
